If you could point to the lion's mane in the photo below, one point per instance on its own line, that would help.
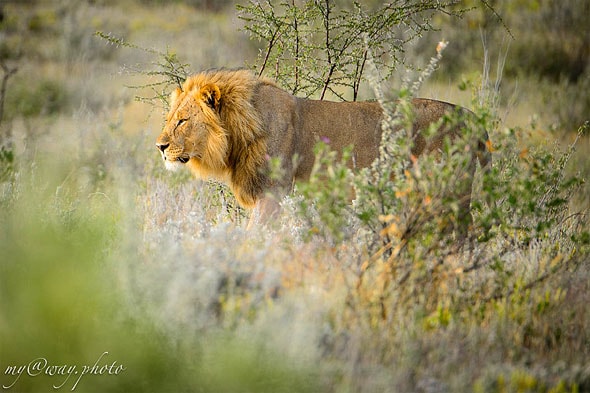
(241, 142)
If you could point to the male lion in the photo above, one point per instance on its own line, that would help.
(227, 124)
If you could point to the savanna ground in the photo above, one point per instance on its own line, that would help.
(103, 251)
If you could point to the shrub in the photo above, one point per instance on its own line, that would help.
(6, 163)
(167, 71)
(30, 98)
(321, 48)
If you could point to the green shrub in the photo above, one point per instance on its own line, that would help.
(30, 98)
(167, 71)
(321, 48)
(6, 163)
(324, 205)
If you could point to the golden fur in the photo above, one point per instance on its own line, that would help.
(214, 124)
(226, 124)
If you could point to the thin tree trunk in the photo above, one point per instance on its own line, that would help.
(7, 73)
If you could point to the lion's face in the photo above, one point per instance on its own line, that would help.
(192, 132)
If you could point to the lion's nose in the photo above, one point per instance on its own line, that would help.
(162, 146)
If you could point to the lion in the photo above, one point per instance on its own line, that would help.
(228, 124)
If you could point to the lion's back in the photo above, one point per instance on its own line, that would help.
(295, 125)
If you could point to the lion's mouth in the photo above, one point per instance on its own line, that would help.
(184, 160)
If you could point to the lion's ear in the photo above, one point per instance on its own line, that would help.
(175, 94)
(211, 95)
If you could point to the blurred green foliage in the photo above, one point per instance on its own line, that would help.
(6, 163)
(61, 300)
(31, 98)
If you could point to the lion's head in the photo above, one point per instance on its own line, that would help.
(213, 128)
(193, 132)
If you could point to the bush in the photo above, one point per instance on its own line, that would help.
(6, 163)
(412, 282)
(31, 98)
(526, 198)
(321, 48)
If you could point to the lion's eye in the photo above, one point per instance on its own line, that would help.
(180, 122)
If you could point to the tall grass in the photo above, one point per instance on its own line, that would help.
(84, 273)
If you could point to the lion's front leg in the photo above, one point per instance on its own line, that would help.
(265, 210)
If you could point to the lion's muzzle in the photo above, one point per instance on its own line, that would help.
(172, 163)
(162, 146)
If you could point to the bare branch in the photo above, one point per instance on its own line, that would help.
(8, 72)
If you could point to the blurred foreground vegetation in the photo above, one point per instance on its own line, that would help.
(101, 251)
